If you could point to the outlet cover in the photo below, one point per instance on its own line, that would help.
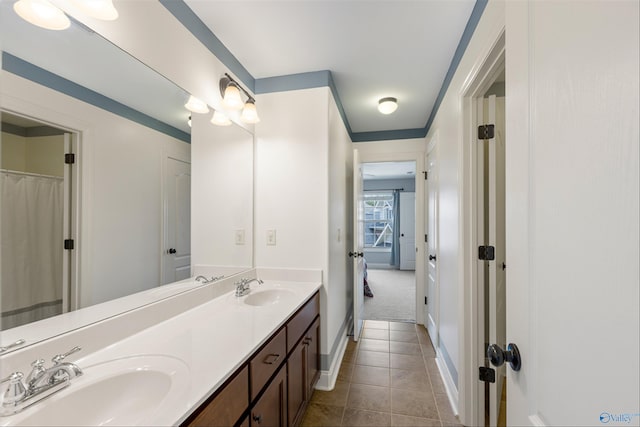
(271, 237)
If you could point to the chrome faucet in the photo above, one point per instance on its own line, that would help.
(40, 383)
(242, 287)
(204, 280)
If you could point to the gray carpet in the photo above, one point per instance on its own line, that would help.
(394, 296)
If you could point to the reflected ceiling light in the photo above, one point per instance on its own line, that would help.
(196, 106)
(99, 9)
(387, 105)
(231, 93)
(220, 119)
(42, 13)
(249, 112)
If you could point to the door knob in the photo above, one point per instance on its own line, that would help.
(353, 254)
(498, 356)
(432, 257)
(172, 251)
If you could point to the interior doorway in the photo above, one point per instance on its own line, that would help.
(389, 234)
(38, 196)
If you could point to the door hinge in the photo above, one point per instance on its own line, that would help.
(486, 132)
(69, 158)
(487, 375)
(426, 300)
(69, 244)
(487, 253)
(426, 174)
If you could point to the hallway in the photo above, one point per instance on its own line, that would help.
(394, 296)
(388, 378)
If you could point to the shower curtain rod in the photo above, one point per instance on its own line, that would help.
(35, 175)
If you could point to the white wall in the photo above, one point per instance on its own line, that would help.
(40, 154)
(302, 176)
(221, 195)
(121, 176)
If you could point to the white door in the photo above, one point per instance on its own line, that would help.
(407, 230)
(358, 247)
(177, 248)
(431, 200)
(493, 205)
(572, 212)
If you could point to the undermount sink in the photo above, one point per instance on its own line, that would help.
(129, 391)
(267, 297)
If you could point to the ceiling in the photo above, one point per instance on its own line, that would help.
(388, 170)
(374, 49)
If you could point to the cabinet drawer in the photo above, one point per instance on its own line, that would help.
(227, 407)
(301, 320)
(266, 362)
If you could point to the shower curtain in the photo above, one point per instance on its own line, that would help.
(31, 230)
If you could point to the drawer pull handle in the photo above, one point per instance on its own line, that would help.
(257, 418)
(271, 359)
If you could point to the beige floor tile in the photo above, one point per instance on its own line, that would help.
(407, 421)
(444, 408)
(345, 372)
(373, 358)
(436, 383)
(371, 375)
(402, 326)
(374, 345)
(349, 355)
(335, 397)
(404, 347)
(376, 324)
(375, 334)
(369, 397)
(409, 362)
(359, 417)
(318, 415)
(410, 380)
(413, 403)
(428, 351)
(403, 336)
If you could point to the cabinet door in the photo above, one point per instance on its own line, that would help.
(312, 339)
(297, 381)
(271, 408)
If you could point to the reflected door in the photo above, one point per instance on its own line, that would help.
(431, 293)
(177, 253)
(407, 230)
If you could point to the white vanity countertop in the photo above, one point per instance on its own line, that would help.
(212, 339)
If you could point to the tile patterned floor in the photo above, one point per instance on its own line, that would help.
(388, 378)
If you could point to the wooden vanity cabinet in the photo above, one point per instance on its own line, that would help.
(303, 366)
(274, 386)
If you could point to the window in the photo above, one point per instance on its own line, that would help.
(378, 219)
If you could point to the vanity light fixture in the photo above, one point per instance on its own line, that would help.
(99, 9)
(196, 106)
(387, 105)
(220, 119)
(230, 90)
(42, 13)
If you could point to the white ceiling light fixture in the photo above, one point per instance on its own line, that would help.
(220, 119)
(99, 9)
(189, 120)
(42, 13)
(231, 93)
(387, 105)
(249, 112)
(196, 106)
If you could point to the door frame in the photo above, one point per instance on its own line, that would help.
(470, 389)
(418, 158)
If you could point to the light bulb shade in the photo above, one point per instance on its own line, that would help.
(250, 113)
(42, 13)
(387, 105)
(232, 99)
(99, 9)
(220, 119)
(196, 106)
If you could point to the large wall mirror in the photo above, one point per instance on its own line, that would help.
(126, 202)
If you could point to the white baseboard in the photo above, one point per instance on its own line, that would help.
(447, 379)
(328, 378)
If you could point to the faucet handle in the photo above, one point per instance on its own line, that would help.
(60, 357)
(16, 390)
(38, 369)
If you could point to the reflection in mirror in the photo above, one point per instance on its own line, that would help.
(127, 126)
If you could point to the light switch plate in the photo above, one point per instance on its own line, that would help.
(240, 237)
(271, 237)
